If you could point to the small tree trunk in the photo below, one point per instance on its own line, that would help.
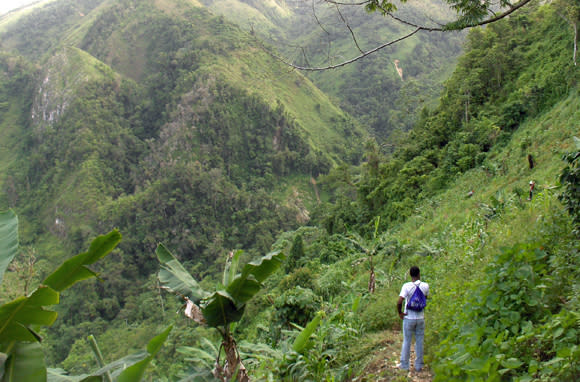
(575, 41)
(233, 362)
(372, 277)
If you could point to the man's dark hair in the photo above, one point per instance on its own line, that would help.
(414, 272)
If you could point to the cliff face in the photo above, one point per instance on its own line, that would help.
(59, 82)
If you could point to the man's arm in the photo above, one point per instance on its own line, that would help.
(400, 307)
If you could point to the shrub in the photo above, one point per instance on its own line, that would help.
(380, 312)
(334, 280)
(510, 326)
(301, 277)
(294, 306)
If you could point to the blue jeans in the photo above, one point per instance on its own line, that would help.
(411, 327)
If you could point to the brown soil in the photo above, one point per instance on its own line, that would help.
(383, 364)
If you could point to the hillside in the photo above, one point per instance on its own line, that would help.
(164, 119)
(503, 269)
(372, 90)
(160, 86)
(176, 138)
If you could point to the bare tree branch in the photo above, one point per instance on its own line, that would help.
(364, 54)
(418, 28)
(322, 27)
(304, 55)
(423, 28)
(349, 28)
(341, 3)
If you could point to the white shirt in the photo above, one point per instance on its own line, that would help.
(407, 291)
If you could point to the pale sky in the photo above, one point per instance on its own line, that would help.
(8, 5)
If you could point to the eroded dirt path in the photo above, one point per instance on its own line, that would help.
(383, 366)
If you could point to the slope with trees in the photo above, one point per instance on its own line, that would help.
(180, 139)
(503, 269)
(324, 33)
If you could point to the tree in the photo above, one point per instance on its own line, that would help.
(296, 253)
(569, 10)
(370, 249)
(222, 307)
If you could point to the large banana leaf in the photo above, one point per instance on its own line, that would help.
(60, 375)
(245, 285)
(25, 364)
(219, 309)
(262, 268)
(303, 338)
(74, 269)
(17, 316)
(127, 369)
(242, 289)
(115, 368)
(232, 267)
(175, 278)
(225, 307)
(8, 240)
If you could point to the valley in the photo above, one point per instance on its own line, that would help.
(282, 209)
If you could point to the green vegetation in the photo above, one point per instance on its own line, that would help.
(223, 307)
(503, 78)
(371, 89)
(22, 358)
(174, 127)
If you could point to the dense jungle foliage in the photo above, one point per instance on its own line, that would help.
(170, 149)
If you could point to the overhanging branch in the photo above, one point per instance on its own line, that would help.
(417, 27)
(364, 54)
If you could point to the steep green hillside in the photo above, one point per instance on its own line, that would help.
(163, 119)
(503, 269)
(319, 34)
(167, 56)
(266, 17)
(174, 126)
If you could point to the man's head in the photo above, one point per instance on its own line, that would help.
(414, 272)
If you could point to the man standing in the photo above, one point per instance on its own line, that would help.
(413, 318)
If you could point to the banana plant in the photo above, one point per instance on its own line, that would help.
(370, 249)
(21, 356)
(222, 307)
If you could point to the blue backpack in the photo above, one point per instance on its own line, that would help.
(417, 302)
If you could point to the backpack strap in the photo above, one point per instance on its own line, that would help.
(417, 286)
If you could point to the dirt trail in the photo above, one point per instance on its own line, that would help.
(383, 366)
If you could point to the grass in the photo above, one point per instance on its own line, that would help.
(462, 240)
(311, 108)
(455, 223)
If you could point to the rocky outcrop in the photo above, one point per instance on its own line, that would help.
(63, 75)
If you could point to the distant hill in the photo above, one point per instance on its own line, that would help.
(163, 119)
(319, 34)
(134, 74)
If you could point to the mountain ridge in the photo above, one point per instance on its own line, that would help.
(197, 151)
